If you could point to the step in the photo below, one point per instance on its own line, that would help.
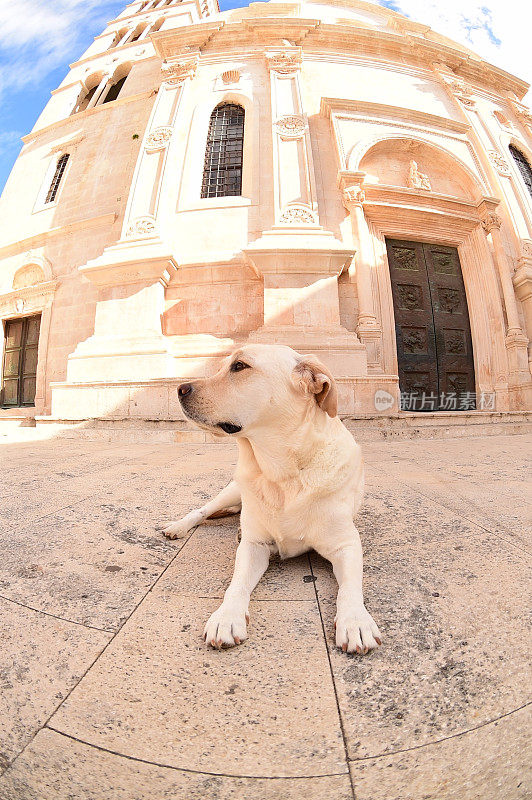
(405, 425)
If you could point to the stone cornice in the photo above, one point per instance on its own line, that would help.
(381, 200)
(39, 239)
(27, 298)
(330, 105)
(75, 118)
(403, 41)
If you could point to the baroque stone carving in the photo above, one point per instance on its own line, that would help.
(297, 215)
(176, 72)
(284, 62)
(142, 226)
(159, 138)
(491, 221)
(500, 164)
(456, 86)
(526, 247)
(354, 195)
(230, 76)
(290, 126)
(417, 179)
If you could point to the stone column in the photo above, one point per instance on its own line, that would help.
(368, 327)
(516, 341)
(102, 86)
(522, 281)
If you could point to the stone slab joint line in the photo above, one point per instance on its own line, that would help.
(325, 641)
(102, 651)
(188, 769)
(444, 738)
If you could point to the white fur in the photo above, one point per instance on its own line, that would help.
(299, 479)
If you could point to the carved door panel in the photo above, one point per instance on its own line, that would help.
(19, 369)
(434, 349)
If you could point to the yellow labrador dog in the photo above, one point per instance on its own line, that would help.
(299, 481)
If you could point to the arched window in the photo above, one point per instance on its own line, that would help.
(119, 35)
(56, 180)
(222, 173)
(114, 90)
(156, 25)
(523, 166)
(137, 33)
(84, 100)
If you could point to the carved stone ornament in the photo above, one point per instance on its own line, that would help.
(297, 215)
(522, 112)
(20, 305)
(142, 226)
(159, 138)
(456, 86)
(354, 195)
(526, 247)
(284, 62)
(290, 126)
(500, 164)
(417, 179)
(176, 72)
(230, 76)
(491, 221)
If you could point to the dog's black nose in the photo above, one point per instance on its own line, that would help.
(184, 389)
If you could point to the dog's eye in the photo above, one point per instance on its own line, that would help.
(238, 366)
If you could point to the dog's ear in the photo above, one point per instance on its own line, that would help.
(313, 377)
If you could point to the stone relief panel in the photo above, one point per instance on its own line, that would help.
(142, 226)
(159, 138)
(414, 340)
(410, 296)
(500, 164)
(449, 300)
(291, 126)
(454, 341)
(417, 179)
(298, 215)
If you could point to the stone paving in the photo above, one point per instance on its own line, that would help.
(108, 692)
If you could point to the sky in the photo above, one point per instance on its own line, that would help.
(39, 38)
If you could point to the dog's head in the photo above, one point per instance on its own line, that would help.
(259, 386)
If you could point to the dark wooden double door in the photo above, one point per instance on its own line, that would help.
(19, 368)
(434, 349)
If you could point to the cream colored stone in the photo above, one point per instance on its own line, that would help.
(330, 142)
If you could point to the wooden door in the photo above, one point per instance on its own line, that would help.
(434, 349)
(19, 369)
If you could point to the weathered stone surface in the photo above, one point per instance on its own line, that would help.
(488, 762)
(54, 767)
(266, 708)
(41, 660)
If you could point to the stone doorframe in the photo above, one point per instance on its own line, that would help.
(27, 301)
(403, 213)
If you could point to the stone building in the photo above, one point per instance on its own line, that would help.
(329, 175)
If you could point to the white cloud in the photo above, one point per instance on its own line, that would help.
(497, 30)
(38, 36)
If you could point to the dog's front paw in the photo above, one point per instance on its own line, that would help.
(177, 530)
(226, 627)
(357, 631)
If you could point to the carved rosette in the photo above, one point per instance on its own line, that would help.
(142, 226)
(353, 196)
(291, 126)
(284, 62)
(491, 221)
(298, 215)
(526, 248)
(500, 164)
(176, 72)
(158, 138)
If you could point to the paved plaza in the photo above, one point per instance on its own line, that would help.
(108, 692)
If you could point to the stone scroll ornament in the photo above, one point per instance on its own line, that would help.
(284, 63)
(491, 221)
(158, 139)
(500, 164)
(142, 226)
(175, 73)
(290, 126)
(297, 215)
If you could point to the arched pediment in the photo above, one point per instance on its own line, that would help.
(413, 163)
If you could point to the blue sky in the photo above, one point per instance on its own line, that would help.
(39, 38)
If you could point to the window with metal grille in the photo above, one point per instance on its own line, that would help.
(523, 166)
(222, 172)
(56, 180)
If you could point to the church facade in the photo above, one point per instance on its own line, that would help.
(327, 175)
